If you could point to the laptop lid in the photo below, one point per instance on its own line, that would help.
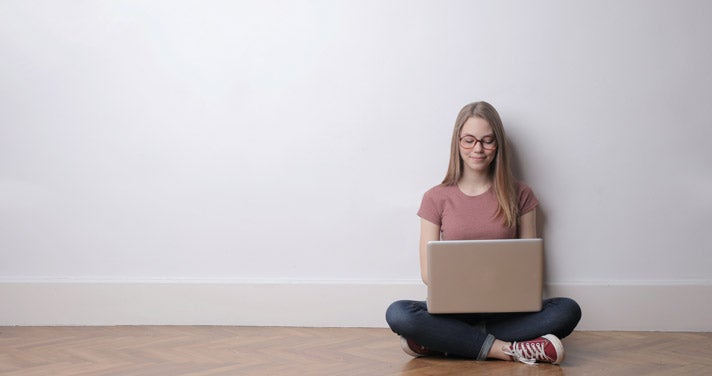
(477, 276)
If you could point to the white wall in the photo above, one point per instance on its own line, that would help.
(283, 141)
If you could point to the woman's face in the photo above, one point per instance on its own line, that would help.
(478, 145)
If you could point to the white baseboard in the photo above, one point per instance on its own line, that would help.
(659, 306)
(647, 307)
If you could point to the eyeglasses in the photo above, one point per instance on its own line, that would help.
(469, 142)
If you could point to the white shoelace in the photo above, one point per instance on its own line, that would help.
(527, 352)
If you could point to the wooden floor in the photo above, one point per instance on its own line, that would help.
(205, 350)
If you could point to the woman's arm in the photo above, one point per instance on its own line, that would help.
(527, 225)
(428, 231)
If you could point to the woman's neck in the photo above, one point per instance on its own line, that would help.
(474, 184)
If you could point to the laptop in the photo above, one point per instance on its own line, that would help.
(483, 276)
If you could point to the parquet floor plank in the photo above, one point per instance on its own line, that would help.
(218, 351)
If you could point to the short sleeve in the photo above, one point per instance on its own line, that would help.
(429, 209)
(527, 199)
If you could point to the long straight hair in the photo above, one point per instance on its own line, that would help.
(500, 171)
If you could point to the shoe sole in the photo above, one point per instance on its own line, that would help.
(407, 349)
(558, 346)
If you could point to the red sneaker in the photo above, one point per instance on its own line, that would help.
(546, 349)
(415, 350)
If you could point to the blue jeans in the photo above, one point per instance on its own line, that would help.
(472, 335)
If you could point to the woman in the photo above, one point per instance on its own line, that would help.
(479, 199)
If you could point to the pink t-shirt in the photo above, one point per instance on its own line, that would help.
(463, 217)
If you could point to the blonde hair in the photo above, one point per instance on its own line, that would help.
(500, 172)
